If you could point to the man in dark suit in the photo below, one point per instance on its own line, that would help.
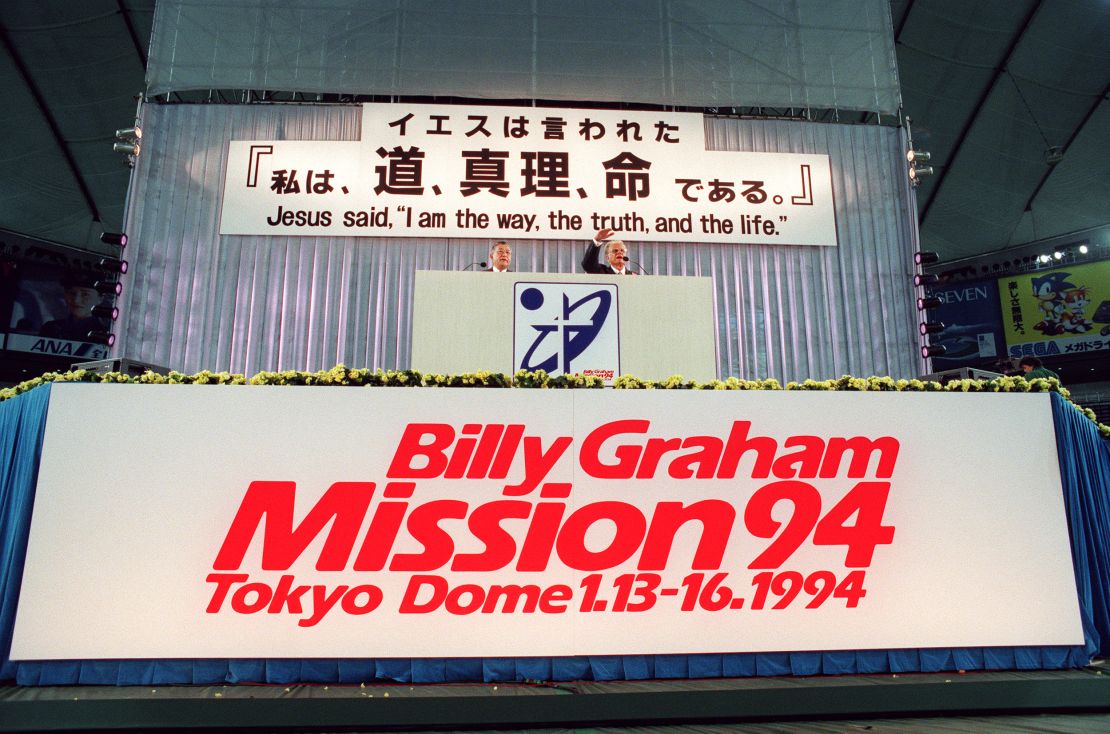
(615, 255)
(500, 257)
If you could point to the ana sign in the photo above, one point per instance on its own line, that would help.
(56, 347)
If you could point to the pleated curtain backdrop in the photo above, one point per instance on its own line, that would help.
(196, 300)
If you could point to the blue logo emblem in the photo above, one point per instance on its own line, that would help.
(566, 328)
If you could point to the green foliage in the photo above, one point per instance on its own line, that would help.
(343, 376)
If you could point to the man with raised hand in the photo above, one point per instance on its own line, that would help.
(616, 255)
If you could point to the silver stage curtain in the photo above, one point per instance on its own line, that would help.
(836, 54)
(196, 300)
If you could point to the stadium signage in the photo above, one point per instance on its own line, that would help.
(537, 173)
(405, 523)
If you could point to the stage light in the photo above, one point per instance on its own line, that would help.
(917, 172)
(1083, 250)
(130, 134)
(933, 350)
(925, 279)
(1044, 259)
(131, 149)
(1058, 255)
(112, 265)
(104, 311)
(101, 337)
(924, 304)
(924, 258)
(930, 327)
(114, 238)
(108, 287)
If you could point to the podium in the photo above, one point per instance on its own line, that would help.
(502, 322)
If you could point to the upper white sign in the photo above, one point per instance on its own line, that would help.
(527, 172)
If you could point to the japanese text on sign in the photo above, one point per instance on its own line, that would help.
(445, 171)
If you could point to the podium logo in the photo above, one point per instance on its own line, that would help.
(566, 328)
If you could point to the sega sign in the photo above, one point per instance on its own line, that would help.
(566, 328)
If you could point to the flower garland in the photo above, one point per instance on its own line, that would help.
(340, 375)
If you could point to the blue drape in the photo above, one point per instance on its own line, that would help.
(22, 422)
(1085, 472)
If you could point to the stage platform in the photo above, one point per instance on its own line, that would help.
(1010, 688)
(1042, 701)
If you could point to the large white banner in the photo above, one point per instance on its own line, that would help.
(527, 172)
(230, 522)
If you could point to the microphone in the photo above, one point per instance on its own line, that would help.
(482, 265)
(641, 267)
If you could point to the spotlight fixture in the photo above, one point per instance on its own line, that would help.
(930, 327)
(1083, 249)
(933, 350)
(108, 287)
(1058, 255)
(114, 238)
(112, 265)
(925, 279)
(916, 158)
(104, 311)
(925, 258)
(127, 142)
(101, 337)
(917, 172)
(924, 304)
(1044, 259)
(131, 149)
